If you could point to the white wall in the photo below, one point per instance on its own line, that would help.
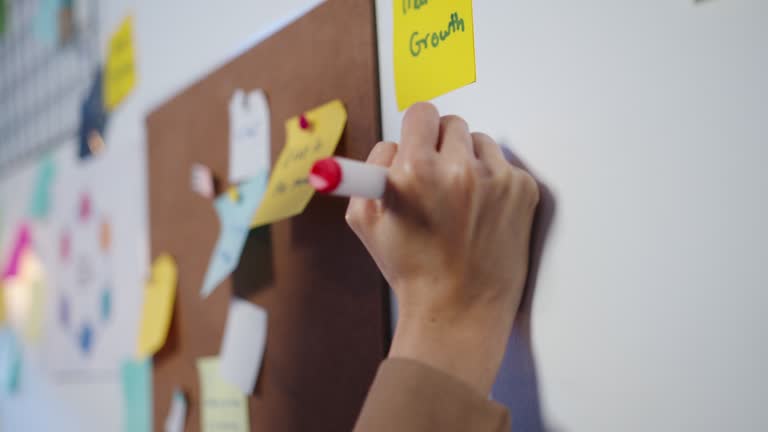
(177, 42)
(649, 121)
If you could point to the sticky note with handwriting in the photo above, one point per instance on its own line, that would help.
(159, 296)
(223, 407)
(120, 67)
(249, 137)
(289, 191)
(434, 48)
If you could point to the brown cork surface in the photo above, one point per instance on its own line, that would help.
(326, 299)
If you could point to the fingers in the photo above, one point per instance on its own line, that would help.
(454, 137)
(421, 130)
(360, 210)
(382, 154)
(488, 152)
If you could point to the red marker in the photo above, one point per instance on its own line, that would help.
(348, 177)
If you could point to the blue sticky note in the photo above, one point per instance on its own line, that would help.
(46, 25)
(93, 118)
(41, 196)
(235, 219)
(10, 361)
(137, 395)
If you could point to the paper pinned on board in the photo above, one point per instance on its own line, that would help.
(289, 191)
(159, 296)
(223, 407)
(137, 395)
(235, 211)
(120, 68)
(177, 415)
(434, 48)
(249, 138)
(41, 196)
(201, 181)
(242, 348)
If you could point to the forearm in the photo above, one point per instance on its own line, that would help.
(409, 396)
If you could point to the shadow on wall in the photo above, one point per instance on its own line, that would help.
(517, 384)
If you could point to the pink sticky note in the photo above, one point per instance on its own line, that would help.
(22, 242)
(85, 207)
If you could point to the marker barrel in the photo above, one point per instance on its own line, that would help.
(347, 177)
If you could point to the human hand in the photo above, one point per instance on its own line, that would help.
(451, 236)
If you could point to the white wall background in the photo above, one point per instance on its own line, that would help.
(649, 121)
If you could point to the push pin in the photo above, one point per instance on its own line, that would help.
(303, 122)
(233, 193)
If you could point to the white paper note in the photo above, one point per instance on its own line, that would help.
(201, 180)
(249, 137)
(177, 415)
(242, 349)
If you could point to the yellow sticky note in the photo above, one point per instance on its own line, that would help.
(120, 68)
(24, 297)
(223, 406)
(289, 192)
(2, 304)
(159, 295)
(434, 48)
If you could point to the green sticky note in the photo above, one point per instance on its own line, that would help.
(10, 361)
(137, 395)
(41, 196)
(3, 7)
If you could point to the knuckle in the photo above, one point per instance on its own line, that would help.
(353, 218)
(422, 109)
(529, 189)
(454, 120)
(414, 170)
(462, 174)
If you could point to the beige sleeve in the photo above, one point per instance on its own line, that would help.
(409, 396)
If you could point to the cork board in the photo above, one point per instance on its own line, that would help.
(327, 302)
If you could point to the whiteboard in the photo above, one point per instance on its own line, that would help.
(649, 122)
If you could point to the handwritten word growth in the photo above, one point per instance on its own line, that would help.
(419, 43)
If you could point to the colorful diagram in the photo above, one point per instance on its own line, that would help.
(84, 303)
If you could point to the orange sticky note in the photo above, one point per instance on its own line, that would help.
(289, 192)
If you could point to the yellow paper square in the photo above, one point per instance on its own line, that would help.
(159, 296)
(434, 48)
(223, 407)
(120, 68)
(289, 191)
(2, 304)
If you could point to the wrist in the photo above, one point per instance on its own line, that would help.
(471, 350)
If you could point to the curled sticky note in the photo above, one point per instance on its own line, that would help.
(159, 295)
